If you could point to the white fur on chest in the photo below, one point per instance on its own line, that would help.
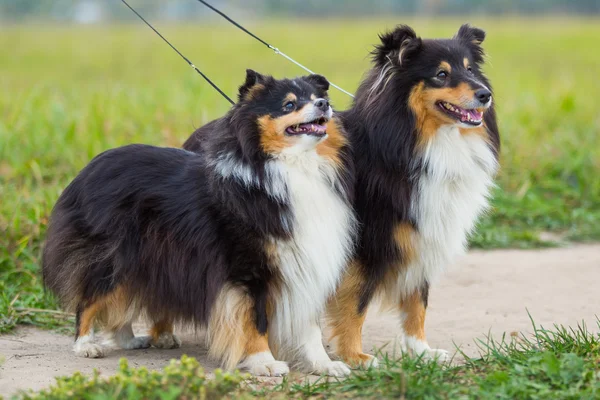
(312, 261)
(452, 192)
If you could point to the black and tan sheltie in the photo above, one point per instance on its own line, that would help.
(426, 147)
(248, 238)
(425, 143)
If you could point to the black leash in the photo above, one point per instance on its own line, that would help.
(275, 49)
(222, 14)
(182, 56)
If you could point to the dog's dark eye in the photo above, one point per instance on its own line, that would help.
(289, 106)
(442, 75)
(470, 69)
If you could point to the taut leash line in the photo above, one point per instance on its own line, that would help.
(275, 49)
(178, 52)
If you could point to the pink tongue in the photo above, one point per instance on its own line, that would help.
(314, 127)
(475, 115)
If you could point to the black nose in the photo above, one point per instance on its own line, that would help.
(483, 95)
(322, 104)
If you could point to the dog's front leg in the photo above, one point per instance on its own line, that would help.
(412, 315)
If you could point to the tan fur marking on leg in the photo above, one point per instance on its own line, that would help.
(256, 343)
(388, 290)
(345, 321)
(271, 251)
(87, 319)
(414, 310)
(403, 236)
(232, 332)
(117, 309)
(111, 311)
(160, 327)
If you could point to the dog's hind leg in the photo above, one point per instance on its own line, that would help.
(119, 312)
(162, 335)
(125, 339)
(346, 321)
(313, 358)
(258, 358)
(233, 336)
(84, 331)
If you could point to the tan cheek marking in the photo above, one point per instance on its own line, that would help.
(466, 62)
(414, 310)
(428, 117)
(330, 147)
(458, 95)
(313, 97)
(427, 121)
(271, 141)
(272, 136)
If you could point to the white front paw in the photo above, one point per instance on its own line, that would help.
(337, 369)
(88, 350)
(439, 355)
(271, 368)
(263, 364)
(420, 348)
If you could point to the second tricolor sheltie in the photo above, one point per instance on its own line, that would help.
(248, 238)
(426, 143)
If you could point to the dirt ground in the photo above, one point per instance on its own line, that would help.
(484, 292)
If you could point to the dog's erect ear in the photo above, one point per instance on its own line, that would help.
(398, 45)
(253, 80)
(471, 34)
(319, 81)
(472, 37)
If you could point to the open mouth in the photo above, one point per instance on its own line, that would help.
(315, 128)
(470, 117)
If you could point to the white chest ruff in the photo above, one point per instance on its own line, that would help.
(312, 261)
(452, 192)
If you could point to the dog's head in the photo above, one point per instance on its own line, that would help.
(443, 75)
(290, 115)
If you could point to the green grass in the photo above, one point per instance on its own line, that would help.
(561, 363)
(68, 93)
(182, 379)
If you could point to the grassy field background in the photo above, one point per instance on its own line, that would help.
(68, 93)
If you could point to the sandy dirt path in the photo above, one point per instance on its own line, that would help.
(484, 292)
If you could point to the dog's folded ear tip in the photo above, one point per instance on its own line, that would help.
(402, 42)
(471, 34)
(319, 81)
(394, 38)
